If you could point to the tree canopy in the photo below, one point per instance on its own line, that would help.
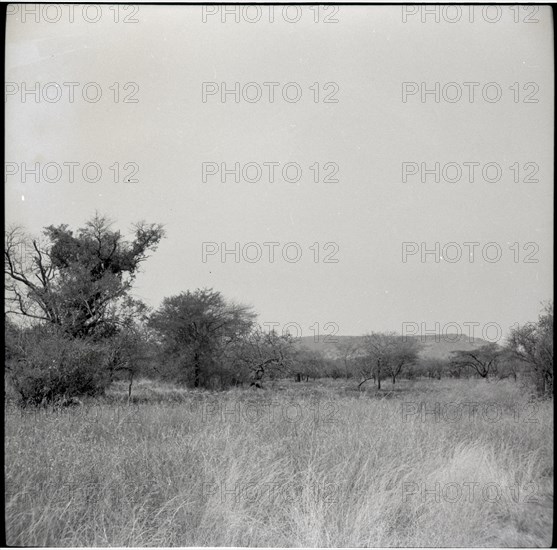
(75, 280)
(197, 327)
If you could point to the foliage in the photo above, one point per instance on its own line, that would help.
(532, 344)
(196, 329)
(483, 360)
(45, 365)
(387, 353)
(264, 354)
(76, 281)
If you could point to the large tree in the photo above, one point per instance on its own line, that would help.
(196, 328)
(75, 280)
(532, 344)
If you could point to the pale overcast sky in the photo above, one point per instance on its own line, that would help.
(169, 52)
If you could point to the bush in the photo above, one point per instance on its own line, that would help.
(49, 367)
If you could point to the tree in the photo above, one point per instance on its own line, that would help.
(533, 345)
(132, 347)
(197, 327)
(386, 353)
(434, 367)
(75, 281)
(348, 349)
(484, 360)
(509, 365)
(308, 362)
(404, 352)
(377, 348)
(265, 353)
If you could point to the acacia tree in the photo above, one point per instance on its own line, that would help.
(386, 353)
(75, 280)
(196, 328)
(377, 348)
(265, 353)
(404, 352)
(533, 345)
(484, 360)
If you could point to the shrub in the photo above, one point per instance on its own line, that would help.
(50, 367)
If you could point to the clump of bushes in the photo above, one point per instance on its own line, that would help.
(45, 366)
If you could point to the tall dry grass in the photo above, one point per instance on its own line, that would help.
(310, 464)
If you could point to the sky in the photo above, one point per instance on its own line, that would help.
(343, 197)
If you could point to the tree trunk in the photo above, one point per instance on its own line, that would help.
(394, 379)
(379, 375)
(197, 370)
(540, 383)
(130, 387)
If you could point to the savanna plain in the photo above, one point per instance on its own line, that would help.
(309, 464)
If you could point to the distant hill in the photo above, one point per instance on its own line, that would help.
(434, 346)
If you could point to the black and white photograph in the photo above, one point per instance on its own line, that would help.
(278, 275)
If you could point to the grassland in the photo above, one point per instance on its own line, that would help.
(434, 463)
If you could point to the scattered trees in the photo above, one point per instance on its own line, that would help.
(84, 329)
